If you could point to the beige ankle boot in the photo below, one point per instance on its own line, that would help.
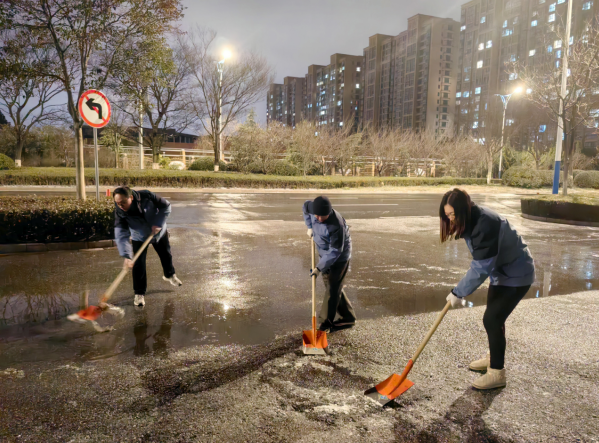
(482, 364)
(494, 378)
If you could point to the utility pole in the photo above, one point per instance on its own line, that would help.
(505, 99)
(140, 136)
(560, 120)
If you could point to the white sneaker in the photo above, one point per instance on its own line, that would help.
(173, 280)
(494, 378)
(139, 300)
(482, 364)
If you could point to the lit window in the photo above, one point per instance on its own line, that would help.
(557, 44)
(542, 128)
(529, 91)
(357, 69)
(557, 64)
(479, 64)
(549, 48)
(571, 40)
(531, 52)
(483, 19)
(338, 104)
(474, 125)
(342, 85)
(513, 76)
(551, 18)
(505, 24)
(552, 7)
(515, 20)
(509, 122)
(357, 85)
(466, 94)
(477, 90)
(489, 43)
(481, 46)
(558, 53)
(321, 112)
(507, 32)
(586, 6)
(463, 28)
(458, 94)
(559, 2)
(340, 123)
(533, 23)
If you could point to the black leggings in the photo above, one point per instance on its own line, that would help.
(501, 301)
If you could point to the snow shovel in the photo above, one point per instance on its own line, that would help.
(92, 313)
(314, 342)
(396, 385)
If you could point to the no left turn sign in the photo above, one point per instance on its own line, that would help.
(94, 108)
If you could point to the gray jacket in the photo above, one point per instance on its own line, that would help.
(155, 211)
(498, 252)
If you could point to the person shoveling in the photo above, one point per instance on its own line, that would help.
(139, 214)
(333, 242)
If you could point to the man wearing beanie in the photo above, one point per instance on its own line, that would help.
(333, 243)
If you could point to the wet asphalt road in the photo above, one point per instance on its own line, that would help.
(217, 359)
(244, 260)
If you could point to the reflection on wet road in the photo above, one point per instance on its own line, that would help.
(244, 261)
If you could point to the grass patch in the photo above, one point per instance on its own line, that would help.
(576, 198)
(204, 179)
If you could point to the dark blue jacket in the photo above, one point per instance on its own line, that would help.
(498, 252)
(155, 211)
(331, 237)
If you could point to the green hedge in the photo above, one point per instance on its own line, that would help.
(6, 162)
(200, 179)
(36, 219)
(524, 177)
(206, 164)
(587, 179)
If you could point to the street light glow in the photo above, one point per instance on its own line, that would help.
(518, 90)
(226, 54)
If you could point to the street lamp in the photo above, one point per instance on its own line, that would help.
(221, 67)
(505, 98)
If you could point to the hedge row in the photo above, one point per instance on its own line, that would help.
(201, 179)
(35, 219)
(587, 179)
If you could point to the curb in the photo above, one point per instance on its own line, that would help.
(45, 247)
(560, 221)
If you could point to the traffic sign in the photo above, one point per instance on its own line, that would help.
(94, 108)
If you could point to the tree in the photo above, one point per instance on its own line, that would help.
(114, 133)
(88, 38)
(543, 81)
(25, 96)
(304, 149)
(158, 86)
(245, 143)
(244, 82)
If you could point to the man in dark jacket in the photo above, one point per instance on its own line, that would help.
(139, 214)
(332, 239)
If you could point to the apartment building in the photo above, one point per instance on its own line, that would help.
(293, 100)
(410, 78)
(274, 104)
(496, 34)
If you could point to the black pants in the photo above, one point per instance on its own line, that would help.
(501, 301)
(336, 307)
(163, 249)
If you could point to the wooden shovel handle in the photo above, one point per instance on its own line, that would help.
(117, 281)
(431, 331)
(313, 289)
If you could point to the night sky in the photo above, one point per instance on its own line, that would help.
(295, 34)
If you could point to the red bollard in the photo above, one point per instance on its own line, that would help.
(108, 193)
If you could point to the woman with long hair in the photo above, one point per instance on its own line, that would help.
(499, 253)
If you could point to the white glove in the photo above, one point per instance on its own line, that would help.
(314, 272)
(310, 233)
(456, 302)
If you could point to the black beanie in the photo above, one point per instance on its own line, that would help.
(321, 206)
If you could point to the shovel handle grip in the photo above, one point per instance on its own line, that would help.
(431, 331)
(117, 281)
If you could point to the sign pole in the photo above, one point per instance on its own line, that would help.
(96, 164)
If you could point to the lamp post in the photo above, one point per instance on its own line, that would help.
(219, 141)
(505, 98)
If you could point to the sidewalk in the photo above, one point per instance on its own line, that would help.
(272, 392)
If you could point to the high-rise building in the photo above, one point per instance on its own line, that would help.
(311, 97)
(274, 104)
(496, 34)
(410, 78)
(293, 100)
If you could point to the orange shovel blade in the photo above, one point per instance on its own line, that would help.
(392, 387)
(312, 345)
(90, 313)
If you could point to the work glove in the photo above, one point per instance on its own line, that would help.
(314, 272)
(310, 233)
(456, 302)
